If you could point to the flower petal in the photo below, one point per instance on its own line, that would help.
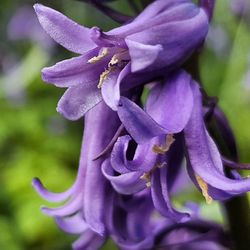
(64, 31)
(145, 54)
(170, 103)
(160, 196)
(137, 122)
(50, 196)
(178, 40)
(75, 71)
(73, 224)
(204, 156)
(78, 100)
(111, 87)
(96, 188)
(126, 183)
(89, 240)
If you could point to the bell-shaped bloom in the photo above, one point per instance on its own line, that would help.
(146, 170)
(205, 163)
(135, 225)
(156, 158)
(177, 107)
(89, 196)
(161, 38)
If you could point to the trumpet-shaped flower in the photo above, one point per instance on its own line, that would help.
(89, 195)
(161, 38)
(173, 107)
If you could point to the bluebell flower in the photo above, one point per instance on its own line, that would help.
(161, 38)
(88, 196)
(175, 106)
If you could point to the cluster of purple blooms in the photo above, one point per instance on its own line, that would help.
(133, 151)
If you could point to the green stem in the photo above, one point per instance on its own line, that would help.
(238, 216)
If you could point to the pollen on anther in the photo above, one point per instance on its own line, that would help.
(103, 77)
(103, 53)
(164, 148)
(204, 189)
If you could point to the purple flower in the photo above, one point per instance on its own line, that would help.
(161, 38)
(172, 107)
(88, 198)
(135, 225)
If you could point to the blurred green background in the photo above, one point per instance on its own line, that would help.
(35, 141)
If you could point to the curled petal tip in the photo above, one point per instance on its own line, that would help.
(36, 6)
(36, 182)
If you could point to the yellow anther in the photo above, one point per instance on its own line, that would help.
(204, 188)
(114, 60)
(103, 77)
(103, 53)
(147, 178)
(164, 148)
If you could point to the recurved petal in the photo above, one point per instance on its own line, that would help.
(89, 240)
(78, 100)
(51, 196)
(73, 224)
(143, 158)
(71, 207)
(170, 104)
(126, 183)
(161, 198)
(75, 71)
(64, 31)
(204, 156)
(142, 55)
(137, 122)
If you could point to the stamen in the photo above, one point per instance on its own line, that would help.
(114, 60)
(147, 176)
(103, 77)
(204, 188)
(164, 148)
(103, 53)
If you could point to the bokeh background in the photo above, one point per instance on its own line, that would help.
(35, 141)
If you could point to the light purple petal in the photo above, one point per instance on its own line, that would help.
(76, 71)
(89, 240)
(144, 158)
(73, 224)
(67, 209)
(160, 196)
(78, 100)
(111, 87)
(170, 104)
(145, 54)
(64, 31)
(178, 39)
(204, 156)
(158, 12)
(126, 183)
(137, 122)
(96, 187)
(50, 196)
